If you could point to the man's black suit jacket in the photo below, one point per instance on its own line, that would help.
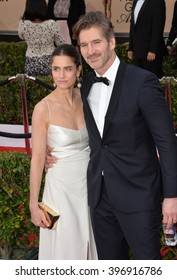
(137, 121)
(146, 35)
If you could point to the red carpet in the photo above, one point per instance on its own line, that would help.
(12, 149)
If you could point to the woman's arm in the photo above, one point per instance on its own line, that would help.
(39, 134)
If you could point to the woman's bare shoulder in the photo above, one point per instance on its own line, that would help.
(41, 105)
(41, 108)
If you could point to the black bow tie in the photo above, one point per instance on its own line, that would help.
(101, 80)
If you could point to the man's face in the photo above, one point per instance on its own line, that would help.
(96, 50)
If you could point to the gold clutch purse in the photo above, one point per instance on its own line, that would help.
(51, 215)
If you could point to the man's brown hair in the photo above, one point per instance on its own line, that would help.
(91, 19)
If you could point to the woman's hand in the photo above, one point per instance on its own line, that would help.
(38, 218)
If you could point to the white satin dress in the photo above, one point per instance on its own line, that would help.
(66, 191)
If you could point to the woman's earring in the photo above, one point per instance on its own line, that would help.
(79, 85)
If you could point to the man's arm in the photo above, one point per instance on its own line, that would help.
(158, 118)
(50, 160)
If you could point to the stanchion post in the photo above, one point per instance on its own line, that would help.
(25, 112)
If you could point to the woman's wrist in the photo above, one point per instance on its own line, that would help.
(33, 206)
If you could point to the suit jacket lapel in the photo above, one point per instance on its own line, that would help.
(115, 95)
(113, 101)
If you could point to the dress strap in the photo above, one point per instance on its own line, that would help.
(49, 112)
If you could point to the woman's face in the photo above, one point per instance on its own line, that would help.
(64, 71)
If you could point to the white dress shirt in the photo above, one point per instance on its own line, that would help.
(138, 6)
(100, 94)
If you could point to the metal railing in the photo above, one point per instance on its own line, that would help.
(168, 89)
(26, 135)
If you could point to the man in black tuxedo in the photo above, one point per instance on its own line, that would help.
(127, 120)
(146, 42)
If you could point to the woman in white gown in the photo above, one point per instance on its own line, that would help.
(58, 121)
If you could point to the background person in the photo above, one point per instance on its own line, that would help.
(58, 10)
(66, 12)
(58, 121)
(146, 42)
(41, 35)
(173, 30)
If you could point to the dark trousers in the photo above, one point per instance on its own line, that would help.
(115, 232)
(154, 66)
